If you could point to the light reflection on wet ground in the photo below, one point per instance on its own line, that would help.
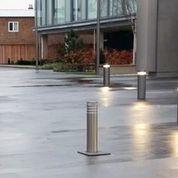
(143, 141)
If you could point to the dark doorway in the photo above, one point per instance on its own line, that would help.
(121, 40)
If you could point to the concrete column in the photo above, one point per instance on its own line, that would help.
(167, 50)
(147, 35)
(44, 46)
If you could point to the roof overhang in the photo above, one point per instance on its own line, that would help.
(86, 25)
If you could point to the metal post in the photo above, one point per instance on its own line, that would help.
(94, 42)
(92, 127)
(106, 75)
(36, 34)
(141, 85)
(98, 38)
(177, 106)
(92, 131)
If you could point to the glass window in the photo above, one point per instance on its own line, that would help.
(59, 11)
(131, 6)
(83, 9)
(116, 7)
(92, 9)
(43, 7)
(75, 10)
(68, 11)
(104, 8)
(79, 10)
(49, 12)
(39, 12)
(13, 26)
(64, 11)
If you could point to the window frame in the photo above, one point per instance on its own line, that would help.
(13, 26)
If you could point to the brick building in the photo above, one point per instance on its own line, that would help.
(17, 39)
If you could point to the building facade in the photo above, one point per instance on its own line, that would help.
(55, 17)
(17, 36)
(157, 49)
(60, 12)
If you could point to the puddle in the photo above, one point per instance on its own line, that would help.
(26, 86)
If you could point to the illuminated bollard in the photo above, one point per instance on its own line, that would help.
(92, 131)
(141, 85)
(106, 75)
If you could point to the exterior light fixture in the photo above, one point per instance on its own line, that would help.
(106, 75)
(141, 75)
(106, 66)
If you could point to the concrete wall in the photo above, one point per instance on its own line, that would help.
(120, 70)
(167, 50)
(157, 45)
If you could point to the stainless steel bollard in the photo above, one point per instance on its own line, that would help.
(141, 85)
(92, 131)
(92, 127)
(106, 75)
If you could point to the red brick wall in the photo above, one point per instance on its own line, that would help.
(16, 45)
(59, 38)
(25, 34)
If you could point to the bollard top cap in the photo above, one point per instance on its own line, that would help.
(92, 103)
(141, 73)
(106, 66)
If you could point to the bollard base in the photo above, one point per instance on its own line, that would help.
(99, 153)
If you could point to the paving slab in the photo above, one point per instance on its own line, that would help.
(43, 125)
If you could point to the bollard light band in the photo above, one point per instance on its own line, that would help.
(141, 85)
(142, 73)
(106, 66)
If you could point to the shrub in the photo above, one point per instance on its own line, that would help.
(115, 57)
(25, 62)
(84, 60)
(84, 57)
(29, 62)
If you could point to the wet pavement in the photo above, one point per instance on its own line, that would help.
(43, 125)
